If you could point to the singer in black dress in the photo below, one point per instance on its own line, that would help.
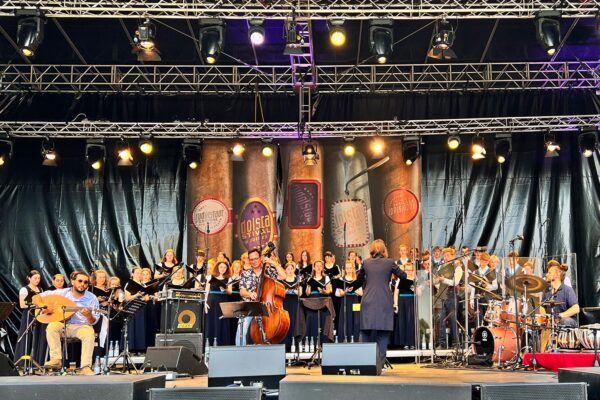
(293, 291)
(304, 266)
(349, 292)
(137, 329)
(319, 285)
(404, 306)
(218, 330)
(35, 339)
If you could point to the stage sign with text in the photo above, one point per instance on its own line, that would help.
(401, 206)
(256, 225)
(210, 216)
(353, 214)
(304, 204)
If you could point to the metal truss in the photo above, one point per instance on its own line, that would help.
(312, 9)
(178, 79)
(289, 130)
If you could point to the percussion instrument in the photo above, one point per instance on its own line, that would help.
(533, 283)
(586, 335)
(500, 342)
(567, 339)
(492, 313)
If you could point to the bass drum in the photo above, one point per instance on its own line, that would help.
(500, 342)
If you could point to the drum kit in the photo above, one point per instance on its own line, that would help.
(508, 322)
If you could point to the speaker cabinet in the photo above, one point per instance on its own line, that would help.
(350, 359)
(220, 393)
(175, 358)
(181, 316)
(247, 364)
(533, 391)
(191, 341)
(591, 376)
(7, 368)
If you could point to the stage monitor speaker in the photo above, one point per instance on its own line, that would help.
(181, 316)
(247, 364)
(350, 359)
(175, 358)
(203, 393)
(533, 391)
(70, 387)
(192, 341)
(7, 368)
(591, 376)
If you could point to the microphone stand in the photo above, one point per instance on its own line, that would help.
(106, 370)
(344, 280)
(519, 360)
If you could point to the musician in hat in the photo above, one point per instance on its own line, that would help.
(79, 324)
(560, 298)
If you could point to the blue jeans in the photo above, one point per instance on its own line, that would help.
(245, 327)
(382, 338)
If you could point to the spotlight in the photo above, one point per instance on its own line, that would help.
(310, 155)
(293, 41)
(547, 30)
(145, 36)
(478, 148)
(256, 32)
(30, 33)
(453, 142)
(442, 41)
(552, 146)
(192, 152)
(349, 149)
(237, 152)
(49, 155)
(95, 153)
(588, 141)
(6, 149)
(146, 146)
(503, 147)
(411, 149)
(337, 32)
(125, 155)
(211, 39)
(267, 149)
(377, 148)
(381, 39)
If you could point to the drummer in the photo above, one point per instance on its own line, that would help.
(566, 307)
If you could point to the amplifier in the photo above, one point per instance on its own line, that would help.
(175, 358)
(181, 316)
(533, 391)
(350, 359)
(191, 341)
(181, 294)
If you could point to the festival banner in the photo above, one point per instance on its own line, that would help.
(210, 216)
(351, 213)
(256, 224)
(401, 206)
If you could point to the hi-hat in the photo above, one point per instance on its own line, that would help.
(488, 292)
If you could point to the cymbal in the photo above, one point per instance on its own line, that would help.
(488, 292)
(476, 279)
(533, 283)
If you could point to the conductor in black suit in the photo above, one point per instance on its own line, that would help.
(376, 309)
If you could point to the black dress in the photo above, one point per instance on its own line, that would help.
(404, 331)
(312, 316)
(290, 304)
(234, 296)
(143, 324)
(347, 315)
(216, 327)
(36, 338)
(334, 273)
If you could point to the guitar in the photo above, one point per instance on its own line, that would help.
(57, 308)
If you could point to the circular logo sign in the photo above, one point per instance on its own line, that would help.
(401, 206)
(210, 216)
(256, 227)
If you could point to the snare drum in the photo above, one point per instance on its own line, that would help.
(508, 313)
(537, 321)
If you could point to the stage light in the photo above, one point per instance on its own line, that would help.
(49, 154)
(453, 142)
(442, 41)
(125, 154)
(381, 39)
(237, 152)
(192, 152)
(267, 149)
(478, 148)
(411, 149)
(146, 146)
(211, 39)
(95, 153)
(349, 148)
(6, 149)
(588, 141)
(256, 32)
(503, 148)
(337, 32)
(293, 41)
(552, 146)
(547, 30)
(30, 33)
(309, 154)
(145, 35)
(377, 148)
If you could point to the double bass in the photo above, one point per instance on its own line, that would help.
(271, 328)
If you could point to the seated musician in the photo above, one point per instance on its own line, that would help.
(567, 307)
(249, 284)
(79, 325)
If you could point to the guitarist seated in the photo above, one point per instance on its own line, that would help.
(79, 315)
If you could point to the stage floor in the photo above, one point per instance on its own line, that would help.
(404, 374)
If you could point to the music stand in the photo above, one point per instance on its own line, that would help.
(243, 309)
(125, 315)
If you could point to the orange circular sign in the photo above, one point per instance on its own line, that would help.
(401, 206)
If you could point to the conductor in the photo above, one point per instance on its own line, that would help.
(377, 313)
